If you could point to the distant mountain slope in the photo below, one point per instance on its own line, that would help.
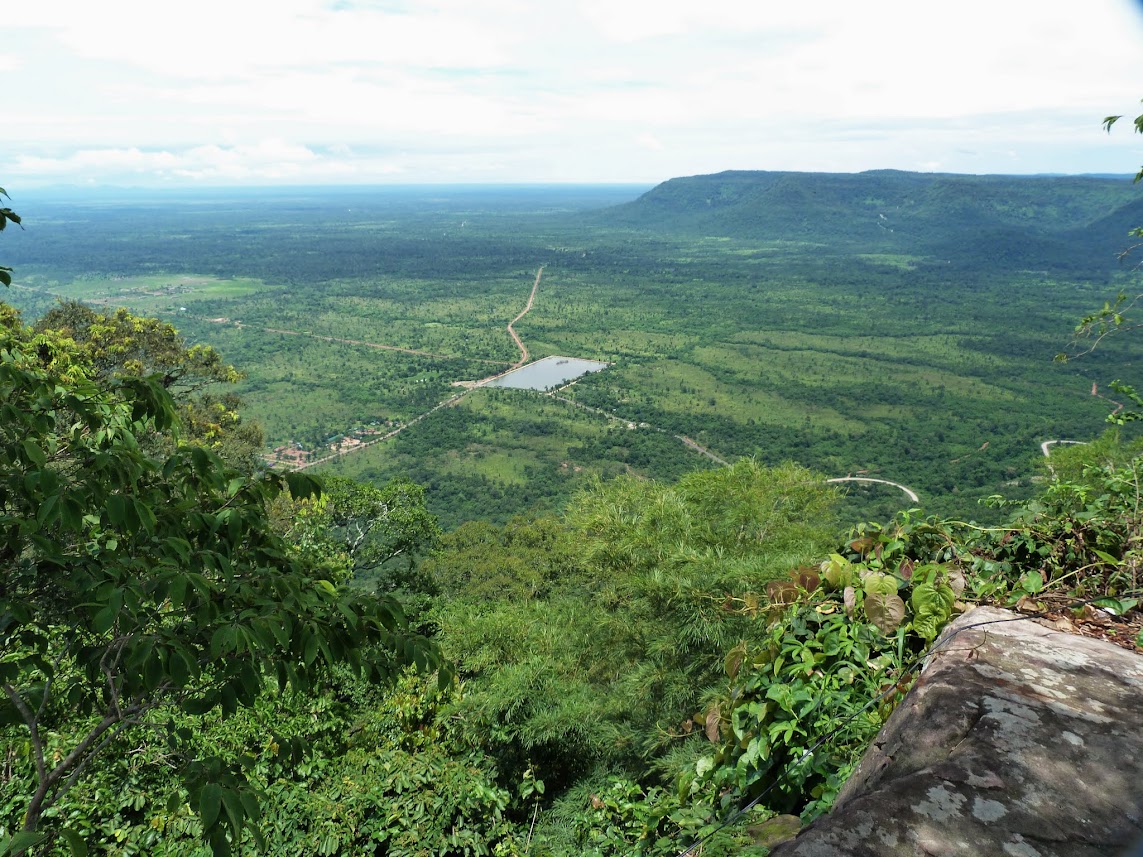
(1038, 221)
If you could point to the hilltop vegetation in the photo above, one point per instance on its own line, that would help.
(1056, 223)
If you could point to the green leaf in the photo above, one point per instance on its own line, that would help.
(209, 805)
(34, 453)
(1032, 582)
(153, 673)
(197, 706)
(250, 804)
(302, 485)
(219, 844)
(234, 811)
(932, 606)
(145, 516)
(877, 583)
(234, 527)
(310, 652)
(221, 641)
(105, 618)
(838, 571)
(178, 591)
(44, 514)
(281, 633)
(76, 843)
(1116, 606)
(181, 667)
(22, 841)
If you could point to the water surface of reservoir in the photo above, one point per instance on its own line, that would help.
(547, 373)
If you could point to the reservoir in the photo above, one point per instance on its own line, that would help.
(547, 373)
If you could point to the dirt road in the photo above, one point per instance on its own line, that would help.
(908, 491)
(527, 307)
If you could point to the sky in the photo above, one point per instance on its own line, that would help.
(255, 92)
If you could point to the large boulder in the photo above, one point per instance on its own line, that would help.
(1016, 740)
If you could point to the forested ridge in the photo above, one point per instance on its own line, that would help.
(610, 647)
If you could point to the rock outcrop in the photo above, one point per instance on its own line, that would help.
(1016, 740)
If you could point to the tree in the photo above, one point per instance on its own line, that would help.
(139, 583)
(585, 643)
(6, 215)
(370, 526)
(1109, 121)
(1115, 316)
(367, 536)
(120, 343)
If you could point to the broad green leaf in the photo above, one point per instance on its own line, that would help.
(153, 672)
(219, 844)
(76, 843)
(250, 804)
(44, 514)
(144, 515)
(838, 571)
(178, 591)
(234, 811)
(22, 841)
(221, 641)
(116, 505)
(310, 651)
(932, 602)
(34, 453)
(877, 583)
(105, 618)
(1116, 606)
(302, 485)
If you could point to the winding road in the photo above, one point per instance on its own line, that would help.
(527, 308)
(911, 494)
(1045, 446)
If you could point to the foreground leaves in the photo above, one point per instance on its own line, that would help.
(137, 584)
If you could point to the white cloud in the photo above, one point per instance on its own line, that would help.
(260, 162)
(506, 90)
(220, 39)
